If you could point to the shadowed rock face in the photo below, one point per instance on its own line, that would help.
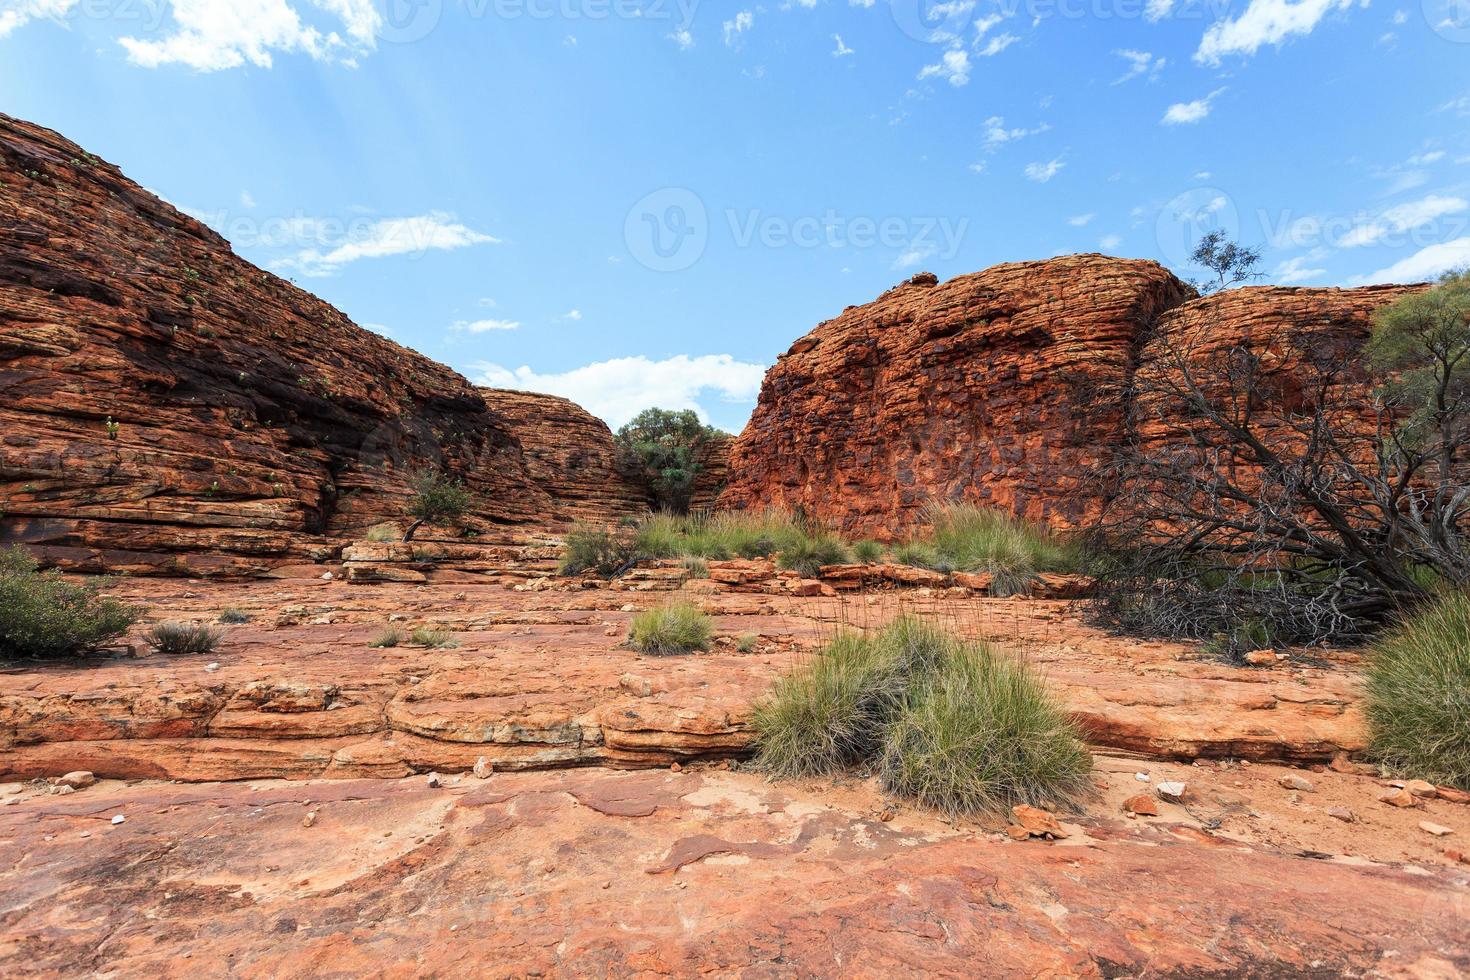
(1006, 388)
(251, 419)
(571, 454)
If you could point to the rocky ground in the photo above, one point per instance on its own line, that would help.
(540, 799)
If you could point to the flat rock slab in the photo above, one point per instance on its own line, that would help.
(624, 874)
(541, 679)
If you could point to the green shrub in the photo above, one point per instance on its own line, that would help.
(950, 724)
(679, 627)
(808, 555)
(665, 448)
(1418, 694)
(436, 638)
(177, 638)
(600, 551)
(382, 533)
(233, 617)
(867, 552)
(387, 639)
(43, 615)
(746, 642)
(436, 498)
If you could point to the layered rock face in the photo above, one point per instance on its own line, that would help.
(571, 454)
(713, 457)
(170, 407)
(1010, 387)
(981, 389)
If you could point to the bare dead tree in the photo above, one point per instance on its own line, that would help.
(1291, 485)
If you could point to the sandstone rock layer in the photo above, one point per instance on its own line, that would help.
(978, 389)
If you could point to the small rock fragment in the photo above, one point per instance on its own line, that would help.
(1437, 830)
(1452, 795)
(433, 780)
(675, 767)
(1421, 789)
(1142, 805)
(1399, 797)
(1172, 791)
(1262, 658)
(79, 779)
(309, 819)
(483, 768)
(118, 819)
(1343, 814)
(1142, 777)
(1036, 822)
(211, 667)
(1299, 783)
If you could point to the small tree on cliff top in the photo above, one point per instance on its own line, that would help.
(1231, 262)
(663, 446)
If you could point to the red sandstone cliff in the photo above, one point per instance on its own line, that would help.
(980, 389)
(249, 418)
(571, 454)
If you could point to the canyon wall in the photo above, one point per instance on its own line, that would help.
(979, 389)
(167, 406)
(1005, 387)
(570, 453)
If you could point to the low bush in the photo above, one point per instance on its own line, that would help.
(383, 533)
(867, 552)
(696, 567)
(679, 627)
(435, 638)
(1418, 694)
(979, 539)
(746, 642)
(436, 498)
(592, 550)
(807, 556)
(44, 615)
(233, 617)
(178, 638)
(387, 639)
(950, 724)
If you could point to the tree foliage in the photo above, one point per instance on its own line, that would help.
(663, 446)
(436, 498)
(1231, 262)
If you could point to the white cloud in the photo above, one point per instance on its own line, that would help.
(912, 257)
(1263, 22)
(572, 315)
(619, 389)
(1424, 264)
(213, 35)
(484, 326)
(842, 50)
(1077, 221)
(683, 39)
(1403, 217)
(737, 26)
(1400, 17)
(18, 13)
(1139, 63)
(1157, 10)
(996, 133)
(1043, 172)
(1109, 242)
(1296, 269)
(247, 200)
(436, 231)
(954, 67)
(1183, 113)
(998, 44)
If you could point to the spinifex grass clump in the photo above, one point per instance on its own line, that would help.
(807, 556)
(178, 638)
(1419, 694)
(950, 724)
(723, 535)
(44, 615)
(679, 627)
(978, 539)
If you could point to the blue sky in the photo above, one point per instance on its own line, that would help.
(635, 202)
